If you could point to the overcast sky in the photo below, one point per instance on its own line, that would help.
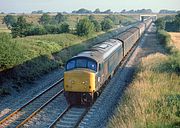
(70, 5)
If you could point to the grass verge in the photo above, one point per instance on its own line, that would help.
(153, 98)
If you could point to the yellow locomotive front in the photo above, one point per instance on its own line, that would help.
(80, 80)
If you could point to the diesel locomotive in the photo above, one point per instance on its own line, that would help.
(86, 73)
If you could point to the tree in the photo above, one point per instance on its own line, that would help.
(108, 11)
(91, 18)
(64, 28)
(114, 18)
(97, 11)
(82, 11)
(106, 24)
(52, 29)
(20, 27)
(60, 18)
(177, 21)
(36, 30)
(45, 19)
(97, 25)
(84, 27)
(160, 23)
(9, 20)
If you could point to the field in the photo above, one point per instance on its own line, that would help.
(175, 39)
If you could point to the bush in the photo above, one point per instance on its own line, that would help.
(35, 30)
(20, 27)
(64, 28)
(9, 20)
(84, 27)
(114, 19)
(173, 63)
(60, 18)
(57, 29)
(160, 23)
(45, 19)
(52, 29)
(97, 25)
(164, 39)
(11, 54)
(106, 24)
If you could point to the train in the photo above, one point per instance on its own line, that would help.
(87, 73)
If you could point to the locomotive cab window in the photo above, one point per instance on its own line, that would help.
(92, 65)
(70, 65)
(82, 63)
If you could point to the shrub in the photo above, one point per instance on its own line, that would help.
(60, 18)
(84, 27)
(11, 54)
(20, 27)
(160, 24)
(164, 39)
(106, 24)
(35, 30)
(45, 19)
(114, 19)
(97, 25)
(52, 29)
(9, 20)
(64, 28)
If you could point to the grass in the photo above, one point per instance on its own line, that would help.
(153, 98)
(175, 39)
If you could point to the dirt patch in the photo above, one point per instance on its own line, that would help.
(175, 39)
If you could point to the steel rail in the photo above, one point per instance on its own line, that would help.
(60, 116)
(81, 117)
(23, 106)
(39, 109)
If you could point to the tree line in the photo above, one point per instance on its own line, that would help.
(58, 24)
(169, 23)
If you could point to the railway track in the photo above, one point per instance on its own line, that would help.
(71, 117)
(23, 114)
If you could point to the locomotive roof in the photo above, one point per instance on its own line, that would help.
(101, 51)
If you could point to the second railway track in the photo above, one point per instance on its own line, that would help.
(32, 107)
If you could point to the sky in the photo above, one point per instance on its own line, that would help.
(27, 6)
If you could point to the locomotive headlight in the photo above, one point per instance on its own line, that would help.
(72, 81)
(84, 83)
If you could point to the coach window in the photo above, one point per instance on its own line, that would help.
(92, 65)
(70, 65)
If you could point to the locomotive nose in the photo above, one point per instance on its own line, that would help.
(79, 81)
